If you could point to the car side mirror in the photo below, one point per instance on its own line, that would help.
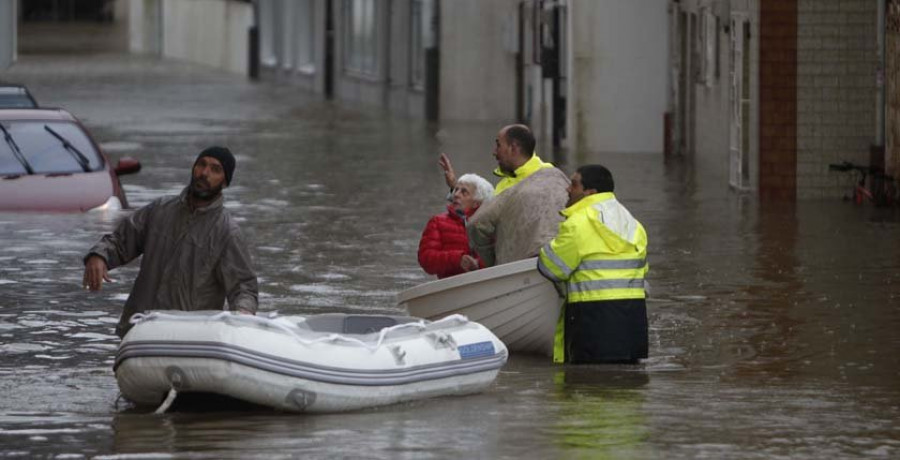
(127, 165)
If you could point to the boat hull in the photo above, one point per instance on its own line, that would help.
(280, 365)
(147, 381)
(513, 300)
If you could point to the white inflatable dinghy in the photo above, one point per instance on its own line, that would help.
(320, 363)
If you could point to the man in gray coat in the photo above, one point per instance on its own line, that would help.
(194, 257)
(524, 214)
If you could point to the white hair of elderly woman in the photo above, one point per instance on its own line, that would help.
(482, 190)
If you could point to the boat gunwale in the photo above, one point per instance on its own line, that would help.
(469, 278)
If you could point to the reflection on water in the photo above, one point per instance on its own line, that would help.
(601, 412)
(773, 328)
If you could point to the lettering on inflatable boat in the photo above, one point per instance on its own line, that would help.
(476, 350)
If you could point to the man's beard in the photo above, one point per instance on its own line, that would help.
(204, 194)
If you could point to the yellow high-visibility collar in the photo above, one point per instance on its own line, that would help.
(530, 167)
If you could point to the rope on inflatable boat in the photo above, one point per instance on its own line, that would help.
(272, 321)
(170, 398)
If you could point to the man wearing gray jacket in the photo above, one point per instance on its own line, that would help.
(524, 214)
(194, 257)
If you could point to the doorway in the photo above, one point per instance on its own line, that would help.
(329, 49)
(683, 61)
(892, 88)
(541, 61)
(739, 100)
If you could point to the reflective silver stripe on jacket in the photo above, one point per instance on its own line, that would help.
(618, 264)
(597, 285)
(548, 252)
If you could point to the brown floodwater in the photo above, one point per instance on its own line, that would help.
(773, 327)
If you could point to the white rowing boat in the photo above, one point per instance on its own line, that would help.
(512, 300)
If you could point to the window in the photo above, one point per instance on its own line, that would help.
(287, 39)
(305, 36)
(269, 30)
(416, 44)
(360, 37)
(709, 43)
(287, 34)
(715, 34)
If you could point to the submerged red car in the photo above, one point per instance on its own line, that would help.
(49, 162)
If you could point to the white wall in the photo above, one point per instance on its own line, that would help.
(143, 26)
(211, 32)
(8, 33)
(618, 70)
(478, 63)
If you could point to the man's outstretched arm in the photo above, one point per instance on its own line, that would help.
(115, 249)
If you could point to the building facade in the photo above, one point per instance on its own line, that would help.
(767, 93)
(585, 74)
(588, 75)
(367, 51)
(892, 89)
(771, 92)
(209, 32)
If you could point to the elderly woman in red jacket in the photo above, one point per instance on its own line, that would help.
(444, 247)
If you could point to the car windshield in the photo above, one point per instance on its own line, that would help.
(45, 152)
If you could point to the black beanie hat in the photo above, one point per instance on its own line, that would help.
(224, 156)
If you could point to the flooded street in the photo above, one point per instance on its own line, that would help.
(773, 327)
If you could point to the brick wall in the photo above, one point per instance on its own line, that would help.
(892, 86)
(836, 62)
(777, 99)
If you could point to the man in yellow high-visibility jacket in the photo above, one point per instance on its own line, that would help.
(600, 254)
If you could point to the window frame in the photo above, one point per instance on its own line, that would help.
(360, 53)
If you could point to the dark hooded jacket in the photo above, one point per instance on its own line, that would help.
(192, 259)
